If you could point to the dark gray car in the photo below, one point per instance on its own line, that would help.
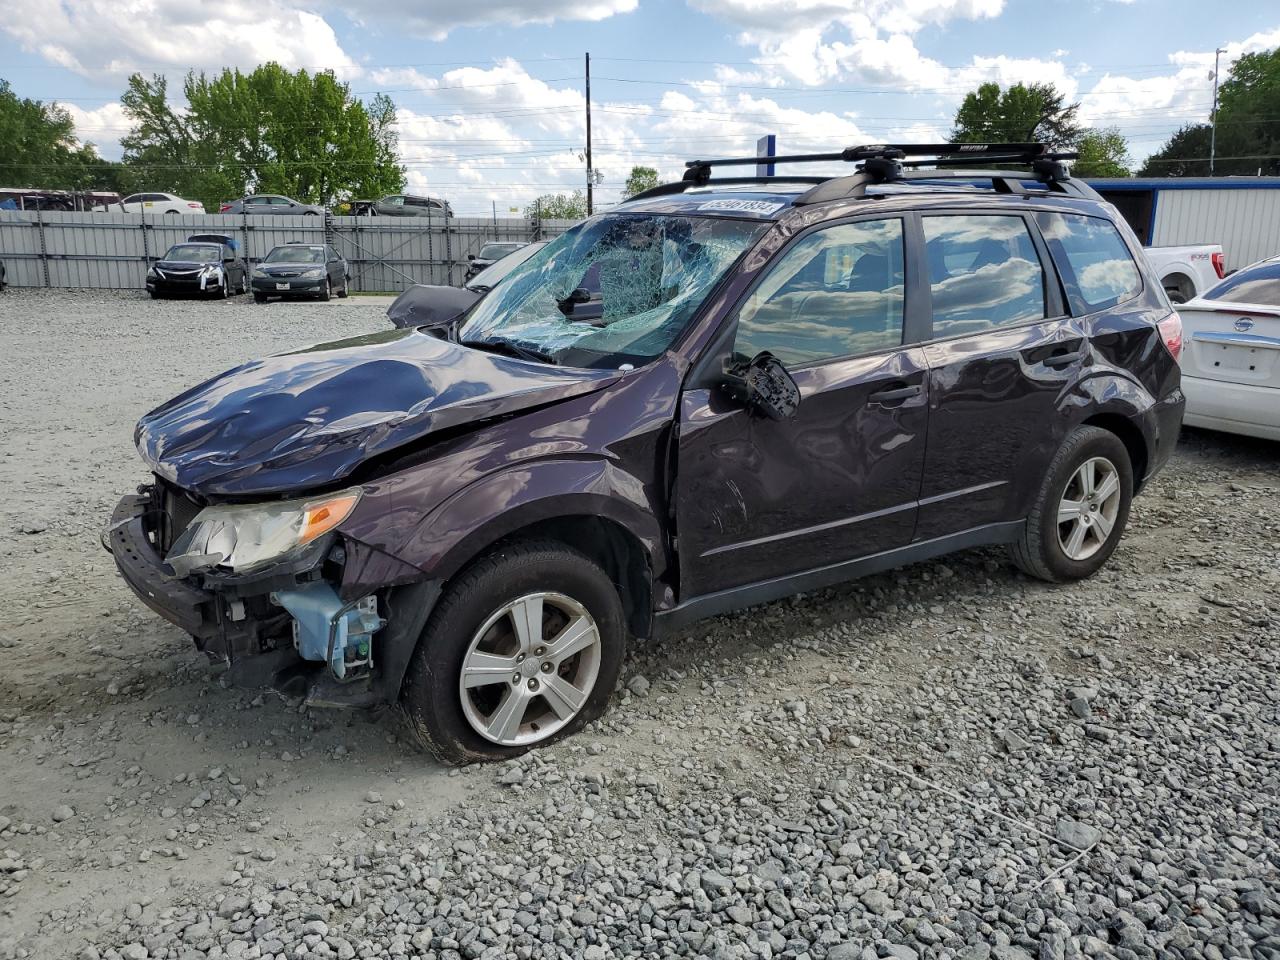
(312, 270)
(406, 205)
(266, 204)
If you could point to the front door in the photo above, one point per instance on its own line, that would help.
(758, 499)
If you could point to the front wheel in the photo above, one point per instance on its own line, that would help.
(259, 297)
(524, 648)
(1081, 509)
(327, 293)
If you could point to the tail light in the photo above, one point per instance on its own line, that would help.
(194, 206)
(224, 208)
(1219, 265)
(1171, 334)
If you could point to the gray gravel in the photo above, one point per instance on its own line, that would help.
(947, 761)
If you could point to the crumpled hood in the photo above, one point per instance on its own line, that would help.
(182, 266)
(309, 418)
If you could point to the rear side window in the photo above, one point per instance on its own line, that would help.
(983, 272)
(836, 293)
(1096, 266)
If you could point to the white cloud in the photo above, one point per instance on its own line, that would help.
(105, 39)
(436, 18)
(762, 18)
(102, 126)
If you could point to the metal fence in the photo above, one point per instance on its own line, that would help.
(114, 250)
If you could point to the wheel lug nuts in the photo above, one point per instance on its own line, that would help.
(520, 658)
(533, 684)
(516, 679)
(546, 666)
(540, 651)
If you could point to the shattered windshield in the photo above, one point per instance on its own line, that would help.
(616, 289)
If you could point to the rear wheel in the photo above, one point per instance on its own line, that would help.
(523, 649)
(1081, 509)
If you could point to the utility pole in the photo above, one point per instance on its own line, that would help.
(1213, 131)
(591, 176)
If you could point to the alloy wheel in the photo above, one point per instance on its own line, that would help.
(1088, 508)
(529, 669)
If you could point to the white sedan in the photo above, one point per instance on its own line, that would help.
(1231, 353)
(160, 203)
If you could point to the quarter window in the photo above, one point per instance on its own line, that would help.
(1096, 266)
(983, 272)
(838, 292)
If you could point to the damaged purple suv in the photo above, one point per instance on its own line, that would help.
(719, 393)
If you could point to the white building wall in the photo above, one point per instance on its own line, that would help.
(1245, 222)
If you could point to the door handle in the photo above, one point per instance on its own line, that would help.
(895, 394)
(1058, 360)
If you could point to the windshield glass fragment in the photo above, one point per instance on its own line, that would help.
(616, 289)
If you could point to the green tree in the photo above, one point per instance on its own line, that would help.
(1248, 138)
(1185, 155)
(558, 206)
(639, 180)
(269, 131)
(1024, 112)
(38, 147)
(1103, 153)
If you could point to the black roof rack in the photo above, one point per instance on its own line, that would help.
(893, 162)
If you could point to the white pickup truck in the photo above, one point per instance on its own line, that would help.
(1187, 272)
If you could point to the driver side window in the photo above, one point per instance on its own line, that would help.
(837, 293)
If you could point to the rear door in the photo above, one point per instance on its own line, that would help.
(759, 499)
(1003, 352)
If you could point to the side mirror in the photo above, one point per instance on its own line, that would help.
(471, 256)
(766, 387)
(579, 295)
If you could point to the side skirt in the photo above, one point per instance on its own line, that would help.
(748, 595)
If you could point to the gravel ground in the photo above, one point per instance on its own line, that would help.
(945, 761)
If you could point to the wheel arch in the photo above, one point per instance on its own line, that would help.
(1180, 281)
(1131, 435)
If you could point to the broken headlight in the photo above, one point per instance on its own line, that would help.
(244, 537)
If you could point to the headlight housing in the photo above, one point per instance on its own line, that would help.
(314, 274)
(242, 538)
(259, 272)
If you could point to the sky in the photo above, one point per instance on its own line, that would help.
(490, 94)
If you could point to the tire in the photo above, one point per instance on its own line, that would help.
(346, 288)
(259, 297)
(475, 619)
(310, 213)
(244, 284)
(1046, 550)
(154, 295)
(168, 212)
(327, 293)
(1176, 296)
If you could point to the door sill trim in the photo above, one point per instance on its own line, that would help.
(765, 591)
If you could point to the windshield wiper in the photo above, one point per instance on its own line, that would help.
(511, 348)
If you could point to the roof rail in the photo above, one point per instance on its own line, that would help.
(891, 162)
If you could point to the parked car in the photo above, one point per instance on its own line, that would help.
(406, 205)
(790, 384)
(165, 203)
(312, 270)
(270, 205)
(437, 306)
(1231, 357)
(490, 254)
(1186, 272)
(206, 264)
